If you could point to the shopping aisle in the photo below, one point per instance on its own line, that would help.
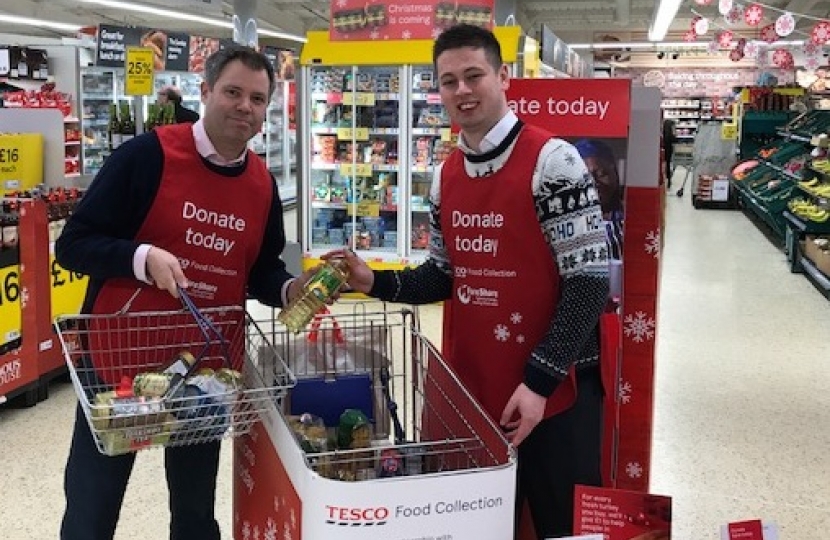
(742, 408)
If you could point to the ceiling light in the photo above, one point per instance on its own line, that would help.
(662, 19)
(64, 27)
(161, 12)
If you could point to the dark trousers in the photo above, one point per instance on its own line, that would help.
(562, 451)
(95, 484)
(668, 154)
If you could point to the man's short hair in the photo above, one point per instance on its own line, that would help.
(254, 60)
(468, 35)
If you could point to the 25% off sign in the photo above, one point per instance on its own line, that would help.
(138, 66)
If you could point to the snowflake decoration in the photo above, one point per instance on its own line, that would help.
(701, 26)
(501, 332)
(725, 38)
(769, 34)
(690, 36)
(811, 48)
(520, 338)
(516, 318)
(374, 34)
(436, 32)
(246, 531)
(634, 470)
(782, 58)
(752, 48)
(270, 532)
(653, 243)
(256, 532)
(639, 327)
(724, 6)
(785, 25)
(734, 16)
(406, 34)
(753, 15)
(812, 63)
(821, 33)
(625, 392)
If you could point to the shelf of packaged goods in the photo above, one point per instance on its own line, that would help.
(325, 205)
(337, 97)
(339, 166)
(442, 131)
(372, 131)
(433, 99)
(96, 147)
(423, 168)
(97, 97)
(96, 122)
(71, 120)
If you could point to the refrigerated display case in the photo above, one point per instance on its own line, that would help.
(98, 91)
(277, 143)
(371, 135)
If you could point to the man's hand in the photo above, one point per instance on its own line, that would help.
(361, 277)
(165, 271)
(524, 410)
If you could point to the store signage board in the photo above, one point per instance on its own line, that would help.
(68, 289)
(139, 71)
(10, 311)
(753, 529)
(362, 20)
(21, 161)
(573, 107)
(619, 514)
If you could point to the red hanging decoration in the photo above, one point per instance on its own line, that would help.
(690, 36)
(736, 55)
(783, 58)
(821, 33)
(769, 34)
(754, 14)
(725, 38)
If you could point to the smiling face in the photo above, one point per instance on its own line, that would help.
(235, 107)
(472, 90)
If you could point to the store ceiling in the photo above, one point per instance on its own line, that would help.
(575, 21)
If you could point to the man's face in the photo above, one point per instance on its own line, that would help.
(235, 106)
(607, 181)
(471, 89)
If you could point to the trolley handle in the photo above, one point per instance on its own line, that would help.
(400, 436)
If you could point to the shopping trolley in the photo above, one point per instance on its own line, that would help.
(437, 466)
(169, 378)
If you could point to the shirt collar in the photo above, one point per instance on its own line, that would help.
(206, 149)
(494, 137)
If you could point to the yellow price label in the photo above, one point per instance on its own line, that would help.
(359, 99)
(21, 161)
(729, 132)
(139, 69)
(11, 319)
(448, 136)
(67, 289)
(364, 209)
(359, 169)
(356, 134)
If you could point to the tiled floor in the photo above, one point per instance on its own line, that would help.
(742, 408)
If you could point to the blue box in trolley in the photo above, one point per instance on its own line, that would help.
(437, 466)
(167, 378)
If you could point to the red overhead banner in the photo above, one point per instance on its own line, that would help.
(366, 20)
(574, 107)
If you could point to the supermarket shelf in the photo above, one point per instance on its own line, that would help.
(71, 119)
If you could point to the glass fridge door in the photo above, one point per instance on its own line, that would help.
(97, 93)
(355, 117)
(279, 141)
(431, 143)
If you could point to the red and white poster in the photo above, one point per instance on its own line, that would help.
(753, 529)
(365, 20)
(622, 515)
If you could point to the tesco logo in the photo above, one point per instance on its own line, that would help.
(356, 517)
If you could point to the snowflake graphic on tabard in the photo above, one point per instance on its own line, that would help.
(270, 530)
(276, 504)
(639, 327)
(293, 517)
(246, 531)
(516, 318)
(374, 34)
(653, 243)
(520, 338)
(625, 392)
(634, 470)
(501, 332)
(406, 34)
(256, 532)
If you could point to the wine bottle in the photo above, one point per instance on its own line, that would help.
(127, 123)
(114, 128)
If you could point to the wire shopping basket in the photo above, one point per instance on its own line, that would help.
(171, 378)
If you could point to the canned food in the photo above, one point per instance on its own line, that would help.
(113, 412)
(230, 377)
(152, 384)
(181, 363)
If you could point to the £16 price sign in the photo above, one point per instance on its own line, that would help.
(10, 313)
(139, 68)
(68, 290)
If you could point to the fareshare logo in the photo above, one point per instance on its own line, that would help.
(477, 296)
(349, 516)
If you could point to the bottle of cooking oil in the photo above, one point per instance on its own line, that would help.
(320, 288)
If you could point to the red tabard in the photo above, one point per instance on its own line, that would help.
(214, 225)
(506, 284)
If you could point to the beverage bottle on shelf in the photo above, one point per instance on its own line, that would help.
(114, 128)
(152, 117)
(320, 288)
(127, 123)
(169, 114)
